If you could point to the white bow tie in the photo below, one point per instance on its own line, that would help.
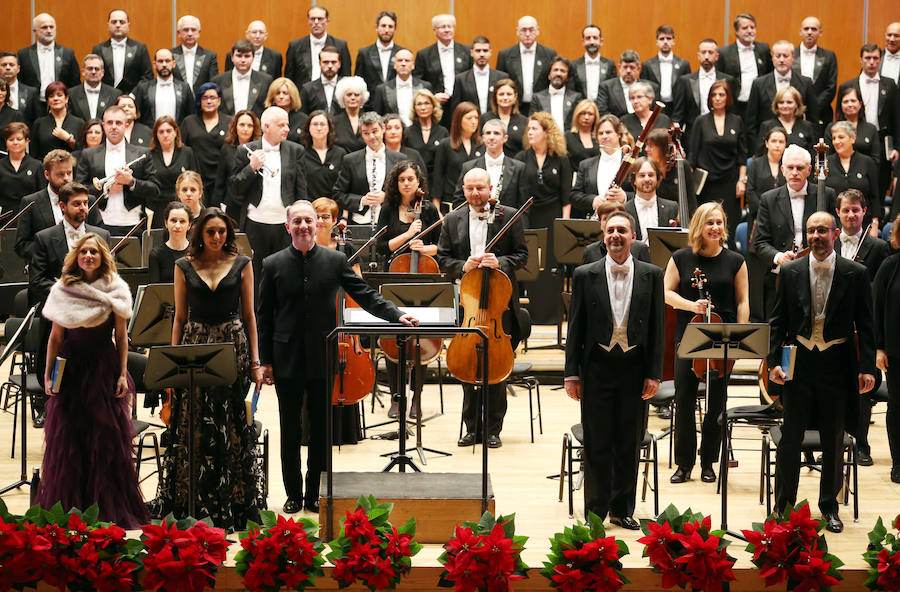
(646, 204)
(872, 80)
(707, 75)
(477, 215)
(742, 47)
(118, 44)
(242, 76)
(797, 194)
(783, 80)
(445, 48)
(619, 270)
(376, 155)
(808, 51)
(667, 60)
(272, 149)
(820, 266)
(610, 157)
(528, 50)
(165, 83)
(850, 240)
(46, 48)
(92, 91)
(557, 91)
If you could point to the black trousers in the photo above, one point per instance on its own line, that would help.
(293, 395)
(686, 385)
(814, 398)
(861, 430)
(265, 240)
(471, 411)
(612, 414)
(893, 409)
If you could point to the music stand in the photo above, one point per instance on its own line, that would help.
(12, 267)
(129, 254)
(14, 340)
(570, 238)
(149, 239)
(242, 242)
(135, 277)
(664, 242)
(154, 310)
(191, 366)
(536, 240)
(725, 341)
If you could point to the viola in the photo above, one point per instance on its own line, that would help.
(702, 367)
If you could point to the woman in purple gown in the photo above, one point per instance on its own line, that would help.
(88, 433)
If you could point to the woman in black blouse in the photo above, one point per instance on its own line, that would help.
(548, 178)
(351, 94)
(90, 135)
(642, 97)
(20, 174)
(426, 133)
(726, 276)
(204, 131)
(788, 109)
(7, 113)
(170, 158)
(848, 169)
(59, 128)
(505, 106)
(463, 144)
(393, 138)
(717, 145)
(657, 149)
(887, 342)
(581, 140)
(283, 93)
(850, 108)
(322, 158)
(244, 127)
(177, 217)
(135, 132)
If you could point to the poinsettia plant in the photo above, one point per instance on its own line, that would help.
(686, 551)
(280, 554)
(484, 555)
(68, 550)
(789, 548)
(182, 555)
(370, 549)
(883, 557)
(584, 558)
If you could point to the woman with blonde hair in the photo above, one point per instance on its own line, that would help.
(581, 139)
(283, 93)
(426, 132)
(725, 275)
(189, 188)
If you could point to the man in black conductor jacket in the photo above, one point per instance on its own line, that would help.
(614, 358)
(295, 312)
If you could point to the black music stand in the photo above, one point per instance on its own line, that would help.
(11, 345)
(536, 240)
(571, 236)
(191, 366)
(154, 310)
(129, 254)
(664, 242)
(725, 341)
(12, 267)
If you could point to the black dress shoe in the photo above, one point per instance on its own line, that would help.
(467, 440)
(864, 459)
(833, 523)
(291, 506)
(625, 522)
(707, 475)
(895, 474)
(494, 442)
(680, 476)
(311, 506)
(392, 412)
(38, 421)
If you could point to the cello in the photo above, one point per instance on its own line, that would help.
(484, 294)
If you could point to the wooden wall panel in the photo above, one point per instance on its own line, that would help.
(881, 13)
(17, 32)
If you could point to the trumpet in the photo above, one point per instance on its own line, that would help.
(106, 182)
(264, 169)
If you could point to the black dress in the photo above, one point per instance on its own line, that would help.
(346, 138)
(228, 481)
(16, 184)
(634, 127)
(867, 141)
(162, 263)
(140, 135)
(577, 151)
(166, 175)
(206, 145)
(297, 118)
(862, 175)
(447, 167)
(42, 138)
(413, 138)
(803, 134)
(515, 131)
(7, 116)
(321, 175)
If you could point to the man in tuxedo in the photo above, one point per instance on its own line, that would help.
(648, 209)
(745, 59)
(265, 59)
(90, 100)
(503, 170)
(262, 195)
(194, 64)
(373, 62)
(396, 95)
(302, 56)
(612, 96)
(45, 61)
(558, 100)
(822, 299)
(439, 63)
(890, 58)
(591, 69)
(819, 65)
(319, 93)
(165, 94)
(527, 62)
(22, 98)
(614, 358)
(593, 179)
(59, 166)
(125, 61)
(122, 206)
(692, 90)
(243, 87)
(461, 249)
(359, 188)
(764, 87)
(782, 216)
(665, 68)
(477, 84)
(295, 313)
(597, 251)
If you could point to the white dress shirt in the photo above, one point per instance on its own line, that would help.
(798, 204)
(705, 81)
(404, 99)
(749, 72)
(890, 66)
(375, 173)
(494, 167)
(73, 233)
(482, 86)
(165, 98)
(190, 56)
(782, 82)
(240, 84)
(384, 56)
(557, 106)
(868, 87)
(620, 283)
(448, 67)
(118, 51)
(93, 97)
(626, 88)
(257, 58)
(14, 95)
(54, 205)
(328, 86)
(648, 215)
(271, 208)
(477, 232)
(315, 46)
(808, 61)
(528, 56)
(666, 63)
(116, 214)
(607, 168)
(592, 75)
(849, 244)
(821, 274)
(46, 64)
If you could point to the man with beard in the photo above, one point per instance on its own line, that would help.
(319, 93)
(614, 355)
(692, 90)
(613, 94)
(822, 299)
(745, 59)
(648, 210)
(373, 62)
(558, 100)
(165, 94)
(591, 69)
(477, 85)
(665, 68)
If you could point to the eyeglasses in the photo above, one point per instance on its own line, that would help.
(819, 229)
(540, 177)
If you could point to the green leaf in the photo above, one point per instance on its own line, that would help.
(92, 515)
(486, 523)
(509, 525)
(409, 527)
(269, 518)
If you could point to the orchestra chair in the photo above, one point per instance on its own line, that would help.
(22, 380)
(740, 237)
(137, 364)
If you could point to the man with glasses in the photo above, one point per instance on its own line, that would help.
(90, 100)
(302, 56)
(265, 59)
(527, 62)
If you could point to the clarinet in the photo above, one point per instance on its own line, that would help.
(374, 220)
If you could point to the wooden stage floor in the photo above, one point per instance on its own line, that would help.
(519, 469)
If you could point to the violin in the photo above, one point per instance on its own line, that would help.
(702, 367)
(484, 294)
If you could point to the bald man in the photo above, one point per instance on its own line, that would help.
(194, 64)
(374, 63)
(527, 62)
(125, 61)
(163, 95)
(265, 59)
(890, 58)
(819, 65)
(396, 95)
(45, 61)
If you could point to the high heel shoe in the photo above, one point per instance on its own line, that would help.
(707, 475)
(680, 476)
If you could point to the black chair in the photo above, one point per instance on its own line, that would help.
(760, 417)
(665, 395)
(22, 380)
(137, 364)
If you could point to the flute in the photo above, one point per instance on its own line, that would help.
(264, 169)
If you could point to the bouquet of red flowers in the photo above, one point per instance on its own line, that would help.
(69, 550)
(584, 558)
(280, 554)
(484, 555)
(370, 549)
(788, 548)
(686, 551)
(883, 558)
(182, 555)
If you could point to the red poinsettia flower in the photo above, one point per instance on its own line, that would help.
(814, 575)
(802, 523)
(567, 579)
(158, 536)
(888, 571)
(358, 527)
(210, 541)
(115, 576)
(259, 575)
